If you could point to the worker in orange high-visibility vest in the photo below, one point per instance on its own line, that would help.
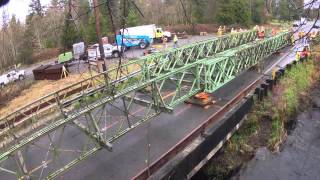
(273, 32)
(305, 53)
(261, 34)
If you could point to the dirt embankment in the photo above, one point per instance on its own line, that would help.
(269, 122)
(20, 94)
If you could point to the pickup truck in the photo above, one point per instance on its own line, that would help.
(109, 51)
(11, 76)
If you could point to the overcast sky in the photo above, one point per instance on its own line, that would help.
(20, 8)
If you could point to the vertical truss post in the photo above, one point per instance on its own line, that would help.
(98, 135)
(155, 96)
(198, 77)
(22, 165)
(60, 105)
(126, 111)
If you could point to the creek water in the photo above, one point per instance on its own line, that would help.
(298, 157)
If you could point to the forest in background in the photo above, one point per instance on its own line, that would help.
(51, 29)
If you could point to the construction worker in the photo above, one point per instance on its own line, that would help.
(273, 32)
(305, 39)
(313, 35)
(305, 54)
(233, 31)
(298, 56)
(220, 31)
(292, 40)
(261, 34)
(175, 41)
(301, 34)
(224, 30)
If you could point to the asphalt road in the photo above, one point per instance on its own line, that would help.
(130, 152)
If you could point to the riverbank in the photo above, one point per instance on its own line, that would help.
(299, 157)
(269, 122)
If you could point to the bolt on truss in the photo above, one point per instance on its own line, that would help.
(81, 124)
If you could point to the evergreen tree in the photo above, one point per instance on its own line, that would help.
(198, 10)
(132, 19)
(224, 14)
(36, 8)
(290, 10)
(233, 11)
(257, 11)
(90, 30)
(69, 35)
(284, 10)
(25, 53)
(241, 12)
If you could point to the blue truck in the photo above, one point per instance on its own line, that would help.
(129, 41)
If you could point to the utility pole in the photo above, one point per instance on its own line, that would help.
(97, 22)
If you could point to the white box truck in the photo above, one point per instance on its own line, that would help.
(78, 50)
(153, 32)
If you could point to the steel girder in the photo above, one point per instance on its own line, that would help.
(137, 96)
(174, 58)
(230, 63)
(147, 66)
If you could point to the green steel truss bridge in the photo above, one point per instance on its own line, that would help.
(125, 97)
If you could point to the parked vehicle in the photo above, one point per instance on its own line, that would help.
(142, 36)
(109, 51)
(133, 40)
(153, 32)
(65, 57)
(11, 76)
(78, 52)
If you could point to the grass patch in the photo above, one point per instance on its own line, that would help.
(296, 83)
